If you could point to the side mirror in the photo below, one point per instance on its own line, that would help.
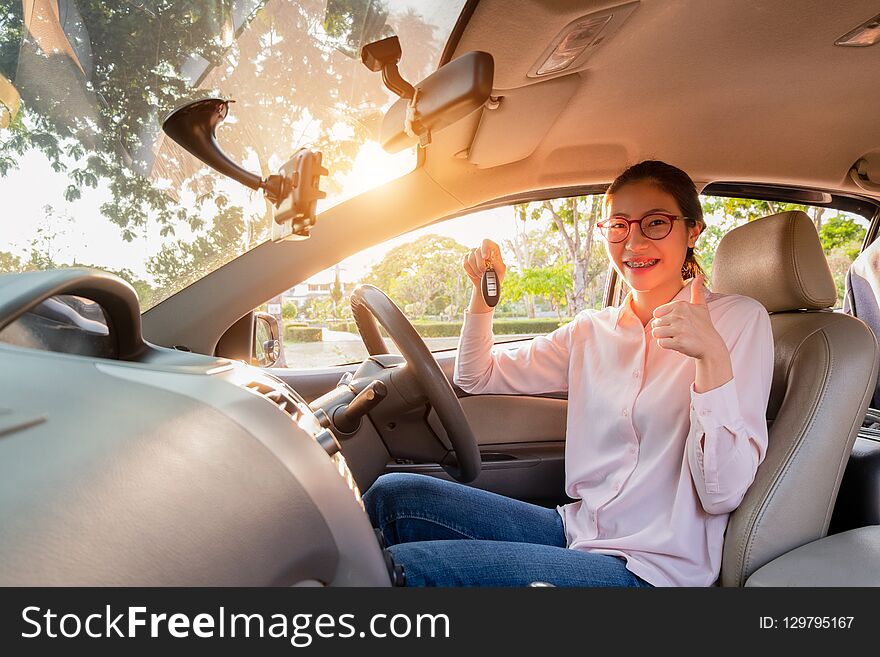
(267, 341)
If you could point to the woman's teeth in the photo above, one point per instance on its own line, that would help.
(641, 265)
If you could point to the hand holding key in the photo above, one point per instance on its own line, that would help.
(485, 267)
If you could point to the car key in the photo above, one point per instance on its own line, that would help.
(491, 286)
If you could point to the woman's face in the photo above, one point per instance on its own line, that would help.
(634, 201)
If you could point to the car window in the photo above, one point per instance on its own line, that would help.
(557, 266)
(841, 233)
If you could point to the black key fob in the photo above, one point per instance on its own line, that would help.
(491, 287)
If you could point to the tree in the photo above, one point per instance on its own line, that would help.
(336, 294)
(566, 235)
(181, 263)
(427, 271)
(531, 248)
(9, 263)
(842, 232)
(742, 210)
(575, 219)
(553, 283)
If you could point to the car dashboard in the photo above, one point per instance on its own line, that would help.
(127, 464)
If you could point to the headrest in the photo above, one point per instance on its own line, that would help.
(777, 260)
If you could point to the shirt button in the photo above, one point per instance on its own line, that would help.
(705, 411)
(625, 412)
(617, 486)
(636, 374)
(632, 449)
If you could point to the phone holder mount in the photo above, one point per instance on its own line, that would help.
(294, 191)
(384, 55)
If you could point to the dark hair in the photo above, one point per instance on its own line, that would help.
(677, 184)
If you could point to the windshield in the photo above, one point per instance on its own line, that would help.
(88, 178)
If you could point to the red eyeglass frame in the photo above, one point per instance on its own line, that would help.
(672, 217)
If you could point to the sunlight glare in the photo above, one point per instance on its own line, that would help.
(372, 168)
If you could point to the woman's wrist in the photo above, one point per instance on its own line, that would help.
(714, 370)
(478, 305)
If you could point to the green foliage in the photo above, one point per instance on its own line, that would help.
(9, 263)
(180, 264)
(289, 310)
(741, 210)
(317, 308)
(425, 275)
(336, 296)
(551, 282)
(433, 329)
(559, 263)
(345, 327)
(842, 232)
(355, 23)
(500, 327)
(293, 333)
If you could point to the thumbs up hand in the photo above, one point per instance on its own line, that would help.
(685, 326)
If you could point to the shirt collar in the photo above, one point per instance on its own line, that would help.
(684, 293)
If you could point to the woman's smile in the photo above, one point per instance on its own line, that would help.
(641, 265)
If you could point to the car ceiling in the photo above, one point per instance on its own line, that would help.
(731, 90)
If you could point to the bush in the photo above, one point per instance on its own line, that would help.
(294, 333)
(500, 327)
(346, 327)
(437, 329)
(289, 310)
(521, 326)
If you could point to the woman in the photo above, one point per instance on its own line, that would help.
(667, 396)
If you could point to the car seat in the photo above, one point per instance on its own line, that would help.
(825, 373)
(858, 502)
(862, 298)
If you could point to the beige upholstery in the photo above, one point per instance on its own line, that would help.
(824, 374)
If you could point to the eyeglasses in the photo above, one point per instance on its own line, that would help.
(654, 226)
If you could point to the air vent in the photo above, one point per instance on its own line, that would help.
(278, 396)
(299, 412)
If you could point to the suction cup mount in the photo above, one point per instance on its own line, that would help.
(294, 191)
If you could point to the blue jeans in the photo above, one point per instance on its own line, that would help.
(506, 542)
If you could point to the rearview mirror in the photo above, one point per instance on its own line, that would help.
(450, 93)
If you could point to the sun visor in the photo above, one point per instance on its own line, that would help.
(522, 118)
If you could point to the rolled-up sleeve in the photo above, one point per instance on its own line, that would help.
(537, 367)
(731, 419)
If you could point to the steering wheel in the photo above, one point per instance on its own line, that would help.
(369, 304)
